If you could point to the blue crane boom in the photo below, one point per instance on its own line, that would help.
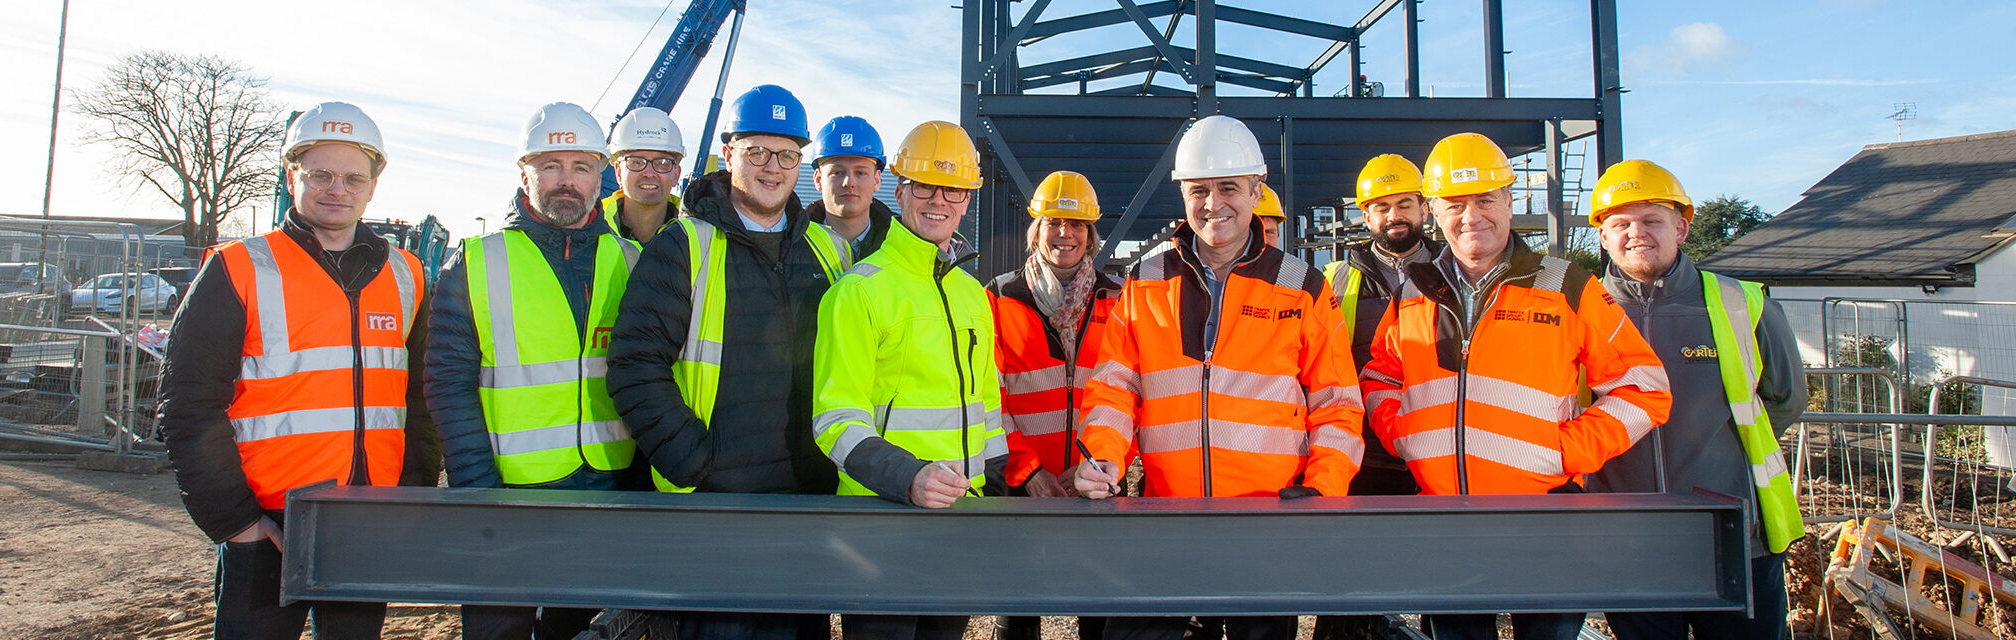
(675, 67)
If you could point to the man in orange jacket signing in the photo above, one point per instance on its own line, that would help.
(1218, 359)
(1473, 378)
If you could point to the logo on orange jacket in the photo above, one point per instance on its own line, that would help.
(375, 321)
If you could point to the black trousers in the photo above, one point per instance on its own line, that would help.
(867, 627)
(484, 622)
(1267, 628)
(1767, 580)
(248, 601)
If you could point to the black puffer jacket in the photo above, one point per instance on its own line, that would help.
(454, 352)
(879, 217)
(760, 440)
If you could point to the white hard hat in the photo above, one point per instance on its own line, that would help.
(334, 122)
(1218, 147)
(562, 126)
(646, 129)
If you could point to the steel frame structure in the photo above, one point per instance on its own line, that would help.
(1123, 137)
(1017, 556)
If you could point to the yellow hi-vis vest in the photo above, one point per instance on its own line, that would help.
(698, 370)
(1741, 361)
(1346, 293)
(544, 397)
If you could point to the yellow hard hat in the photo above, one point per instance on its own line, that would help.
(1066, 195)
(1387, 175)
(938, 153)
(1270, 204)
(1638, 181)
(1465, 164)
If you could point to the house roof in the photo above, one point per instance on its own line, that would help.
(1904, 213)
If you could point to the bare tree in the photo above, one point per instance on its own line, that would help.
(198, 129)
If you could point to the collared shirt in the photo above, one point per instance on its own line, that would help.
(1469, 293)
(1393, 269)
(783, 222)
(1216, 286)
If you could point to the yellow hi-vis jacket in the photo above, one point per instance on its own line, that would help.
(905, 357)
(543, 393)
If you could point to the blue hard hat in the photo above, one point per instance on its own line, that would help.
(849, 136)
(768, 109)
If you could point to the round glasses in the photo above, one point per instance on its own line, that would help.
(760, 155)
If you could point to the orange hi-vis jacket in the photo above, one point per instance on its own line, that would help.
(319, 378)
(1040, 392)
(1261, 407)
(1492, 409)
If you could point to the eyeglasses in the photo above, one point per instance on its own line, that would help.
(760, 156)
(321, 180)
(660, 165)
(923, 191)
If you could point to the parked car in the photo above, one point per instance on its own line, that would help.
(111, 292)
(20, 276)
(178, 276)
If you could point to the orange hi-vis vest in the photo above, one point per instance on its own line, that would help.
(1492, 409)
(1264, 406)
(319, 379)
(1040, 392)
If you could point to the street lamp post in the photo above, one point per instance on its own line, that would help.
(482, 228)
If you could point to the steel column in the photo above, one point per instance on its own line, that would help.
(1140, 199)
(1609, 84)
(1410, 39)
(1494, 48)
(1206, 80)
(1557, 218)
(1017, 556)
(1291, 214)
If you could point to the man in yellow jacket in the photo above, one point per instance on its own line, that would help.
(898, 422)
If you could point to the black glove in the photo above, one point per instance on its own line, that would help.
(1294, 491)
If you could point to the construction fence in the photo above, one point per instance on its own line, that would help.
(84, 311)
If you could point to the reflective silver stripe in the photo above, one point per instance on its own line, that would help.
(1750, 410)
(697, 348)
(1257, 386)
(318, 359)
(854, 423)
(1510, 396)
(843, 446)
(993, 420)
(564, 436)
(863, 269)
(294, 423)
(1169, 383)
(497, 277)
(1434, 443)
(1649, 377)
(1102, 415)
(1043, 379)
(1334, 395)
(834, 417)
(1736, 307)
(1331, 436)
(975, 466)
(1119, 376)
(402, 276)
(922, 419)
(268, 287)
(996, 446)
(1773, 466)
(1373, 399)
(1512, 452)
(630, 252)
(1226, 435)
(530, 375)
(1378, 376)
(1636, 422)
(1041, 424)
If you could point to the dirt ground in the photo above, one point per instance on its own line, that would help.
(87, 555)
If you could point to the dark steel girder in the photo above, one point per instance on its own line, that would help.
(1256, 108)
(1095, 20)
(1017, 556)
(1277, 22)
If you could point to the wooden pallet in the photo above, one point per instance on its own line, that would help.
(1849, 576)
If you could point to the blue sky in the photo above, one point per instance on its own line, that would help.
(1754, 99)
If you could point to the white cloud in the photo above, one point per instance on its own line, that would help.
(1687, 48)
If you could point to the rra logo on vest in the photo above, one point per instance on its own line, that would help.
(381, 322)
(600, 340)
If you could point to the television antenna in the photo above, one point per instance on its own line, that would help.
(1903, 111)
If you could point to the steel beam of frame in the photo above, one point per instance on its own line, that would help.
(999, 146)
(1410, 39)
(1140, 199)
(1098, 19)
(1399, 109)
(1557, 217)
(848, 554)
(1285, 24)
(1007, 45)
(1207, 57)
(1161, 44)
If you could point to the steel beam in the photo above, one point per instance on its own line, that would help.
(1007, 45)
(1609, 84)
(1141, 196)
(1285, 24)
(1098, 19)
(1410, 39)
(1398, 109)
(1016, 556)
(1494, 48)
